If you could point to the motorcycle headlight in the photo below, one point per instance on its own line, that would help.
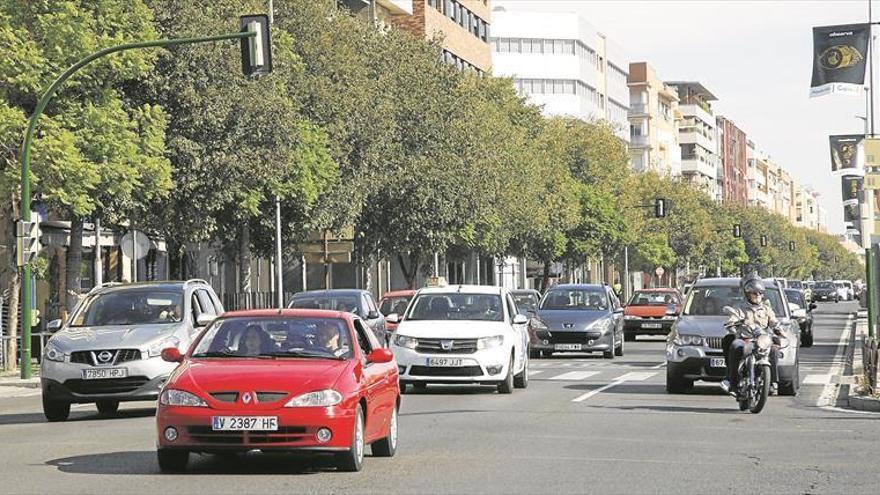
(694, 340)
(404, 341)
(156, 348)
(764, 341)
(53, 353)
(319, 398)
(172, 397)
(490, 342)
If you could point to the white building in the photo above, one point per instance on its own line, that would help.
(698, 136)
(562, 63)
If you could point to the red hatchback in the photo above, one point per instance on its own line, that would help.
(395, 302)
(280, 380)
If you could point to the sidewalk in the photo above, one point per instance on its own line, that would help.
(13, 379)
(858, 398)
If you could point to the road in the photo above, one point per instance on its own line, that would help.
(584, 425)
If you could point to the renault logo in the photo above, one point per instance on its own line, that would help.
(446, 345)
(246, 397)
(105, 357)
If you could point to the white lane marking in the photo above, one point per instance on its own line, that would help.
(534, 372)
(659, 366)
(829, 393)
(81, 405)
(635, 377)
(574, 375)
(817, 379)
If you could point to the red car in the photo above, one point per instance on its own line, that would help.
(651, 312)
(280, 380)
(395, 302)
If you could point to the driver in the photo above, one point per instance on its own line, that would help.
(757, 314)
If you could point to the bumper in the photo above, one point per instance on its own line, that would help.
(694, 363)
(825, 297)
(297, 429)
(648, 326)
(64, 381)
(561, 341)
(488, 365)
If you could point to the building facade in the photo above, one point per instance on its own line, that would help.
(561, 63)
(654, 118)
(698, 136)
(733, 153)
(808, 213)
(757, 177)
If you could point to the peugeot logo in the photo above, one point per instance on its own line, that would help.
(105, 357)
(246, 398)
(446, 345)
(568, 325)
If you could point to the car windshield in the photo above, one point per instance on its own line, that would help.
(243, 337)
(346, 304)
(456, 306)
(575, 299)
(710, 300)
(839, 285)
(796, 285)
(645, 298)
(526, 302)
(131, 307)
(794, 297)
(398, 305)
(825, 285)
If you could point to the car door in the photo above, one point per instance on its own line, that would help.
(374, 382)
(616, 313)
(520, 332)
(374, 319)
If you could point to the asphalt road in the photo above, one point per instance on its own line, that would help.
(584, 425)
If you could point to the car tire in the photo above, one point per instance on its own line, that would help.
(55, 410)
(107, 407)
(172, 460)
(506, 386)
(807, 338)
(629, 336)
(522, 379)
(790, 388)
(619, 350)
(404, 388)
(387, 446)
(675, 383)
(353, 460)
(534, 354)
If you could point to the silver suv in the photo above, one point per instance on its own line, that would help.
(109, 350)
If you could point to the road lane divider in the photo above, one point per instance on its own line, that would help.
(574, 375)
(828, 397)
(636, 376)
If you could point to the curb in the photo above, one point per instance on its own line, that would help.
(863, 403)
(16, 382)
(855, 401)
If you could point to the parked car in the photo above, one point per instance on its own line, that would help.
(845, 287)
(355, 301)
(650, 312)
(395, 302)
(109, 349)
(802, 312)
(286, 380)
(527, 300)
(826, 291)
(694, 346)
(463, 334)
(578, 318)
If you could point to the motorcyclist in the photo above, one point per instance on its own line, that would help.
(757, 314)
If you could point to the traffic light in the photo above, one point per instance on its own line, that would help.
(737, 230)
(763, 241)
(256, 51)
(27, 236)
(791, 246)
(661, 206)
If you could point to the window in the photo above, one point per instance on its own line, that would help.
(195, 309)
(511, 307)
(206, 303)
(363, 337)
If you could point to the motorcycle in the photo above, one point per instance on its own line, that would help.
(755, 375)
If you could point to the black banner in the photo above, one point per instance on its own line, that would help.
(840, 56)
(845, 152)
(852, 214)
(850, 185)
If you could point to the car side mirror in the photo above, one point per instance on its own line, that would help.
(53, 326)
(380, 356)
(172, 355)
(799, 313)
(618, 311)
(520, 319)
(393, 318)
(204, 319)
(813, 306)
(794, 307)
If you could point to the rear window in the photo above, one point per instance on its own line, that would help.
(348, 304)
(825, 285)
(644, 298)
(397, 305)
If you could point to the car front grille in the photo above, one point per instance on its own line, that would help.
(714, 342)
(451, 372)
(573, 337)
(106, 386)
(225, 396)
(284, 434)
(119, 356)
(270, 396)
(435, 346)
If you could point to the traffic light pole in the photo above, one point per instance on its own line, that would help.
(26, 282)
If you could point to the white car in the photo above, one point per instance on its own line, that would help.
(462, 334)
(845, 289)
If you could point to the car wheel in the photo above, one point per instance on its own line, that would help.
(629, 336)
(353, 460)
(506, 386)
(790, 388)
(675, 383)
(172, 460)
(387, 446)
(619, 350)
(522, 379)
(55, 410)
(610, 353)
(807, 338)
(534, 353)
(107, 407)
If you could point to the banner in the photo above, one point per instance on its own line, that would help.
(839, 59)
(845, 153)
(850, 185)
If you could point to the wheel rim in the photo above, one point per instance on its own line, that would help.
(393, 432)
(359, 440)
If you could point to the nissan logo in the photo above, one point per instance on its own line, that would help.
(105, 357)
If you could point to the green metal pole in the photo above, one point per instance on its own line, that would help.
(26, 283)
(870, 267)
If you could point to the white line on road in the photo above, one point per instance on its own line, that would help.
(574, 375)
(635, 377)
(534, 372)
(829, 393)
(659, 366)
(817, 379)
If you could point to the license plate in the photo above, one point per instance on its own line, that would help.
(444, 362)
(104, 373)
(717, 363)
(568, 347)
(652, 325)
(244, 423)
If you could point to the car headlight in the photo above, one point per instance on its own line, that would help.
(404, 341)
(172, 397)
(156, 349)
(319, 398)
(688, 340)
(600, 324)
(53, 353)
(537, 324)
(490, 342)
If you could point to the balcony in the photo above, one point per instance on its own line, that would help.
(640, 141)
(638, 110)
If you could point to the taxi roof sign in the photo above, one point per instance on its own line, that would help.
(435, 282)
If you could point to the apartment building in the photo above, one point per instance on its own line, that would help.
(732, 150)
(808, 212)
(654, 118)
(560, 62)
(698, 136)
(757, 176)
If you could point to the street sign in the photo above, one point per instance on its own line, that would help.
(332, 247)
(346, 234)
(660, 207)
(659, 271)
(737, 230)
(319, 259)
(763, 241)
(256, 51)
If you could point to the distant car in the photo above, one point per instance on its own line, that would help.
(578, 318)
(650, 312)
(109, 349)
(694, 346)
(527, 300)
(355, 301)
(395, 302)
(845, 287)
(288, 380)
(802, 312)
(826, 291)
(463, 334)
(802, 287)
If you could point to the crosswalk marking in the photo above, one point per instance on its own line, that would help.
(534, 372)
(817, 379)
(574, 375)
(636, 376)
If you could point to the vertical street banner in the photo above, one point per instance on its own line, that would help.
(850, 185)
(852, 214)
(845, 154)
(840, 56)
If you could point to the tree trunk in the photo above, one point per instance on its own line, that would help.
(244, 265)
(73, 276)
(14, 288)
(412, 273)
(545, 279)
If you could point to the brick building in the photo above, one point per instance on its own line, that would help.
(733, 151)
